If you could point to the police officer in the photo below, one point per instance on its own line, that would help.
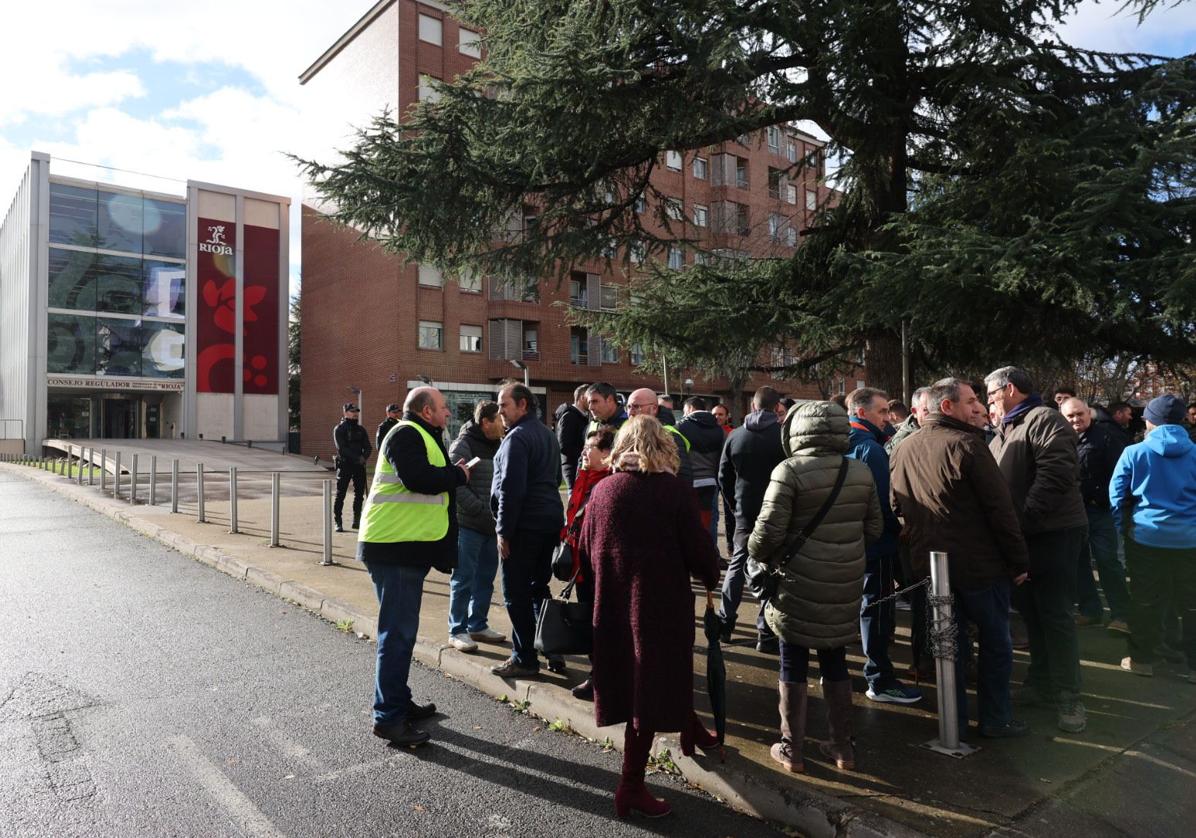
(393, 414)
(410, 527)
(352, 450)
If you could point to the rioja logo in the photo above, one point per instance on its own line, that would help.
(216, 243)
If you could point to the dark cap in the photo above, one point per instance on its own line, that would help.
(393, 408)
(1165, 410)
(350, 406)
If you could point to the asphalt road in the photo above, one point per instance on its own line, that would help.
(144, 694)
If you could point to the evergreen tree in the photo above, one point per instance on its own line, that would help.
(1007, 196)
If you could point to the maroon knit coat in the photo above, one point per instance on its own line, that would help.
(644, 539)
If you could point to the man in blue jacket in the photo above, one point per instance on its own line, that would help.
(1153, 497)
(869, 412)
(526, 501)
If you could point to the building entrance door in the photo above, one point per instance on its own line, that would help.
(120, 418)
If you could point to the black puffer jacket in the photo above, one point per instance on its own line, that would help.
(749, 456)
(706, 440)
(473, 500)
(1098, 450)
(352, 443)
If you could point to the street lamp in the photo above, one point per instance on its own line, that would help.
(519, 365)
(687, 387)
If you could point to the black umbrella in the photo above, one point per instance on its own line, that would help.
(716, 672)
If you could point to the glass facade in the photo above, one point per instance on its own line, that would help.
(122, 313)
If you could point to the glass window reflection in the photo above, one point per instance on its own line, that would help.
(72, 279)
(164, 228)
(72, 215)
(120, 221)
(118, 347)
(118, 284)
(165, 285)
(71, 343)
(162, 351)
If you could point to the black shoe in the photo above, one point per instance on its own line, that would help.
(724, 632)
(1011, 730)
(556, 664)
(584, 690)
(402, 734)
(339, 526)
(415, 712)
(356, 522)
(769, 645)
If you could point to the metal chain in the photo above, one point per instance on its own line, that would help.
(942, 636)
(925, 583)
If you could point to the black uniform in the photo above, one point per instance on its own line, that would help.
(352, 450)
(383, 429)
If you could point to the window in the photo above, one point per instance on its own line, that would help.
(610, 297)
(610, 352)
(811, 200)
(860, 383)
(637, 354)
(164, 228)
(790, 235)
(579, 345)
(641, 203)
(790, 193)
(471, 338)
(164, 288)
(741, 173)
(427, 93)
(431, 335)
(776, 182)
(676, 258)
(700, 168)
(521, 290)
(431, 30)
(72, 279)
(430, 276)
(73, 213)
(776, 226)
(791, 151)
(700, 215)
(118, 284)
(514, 339)
(743, 223)
(119, 223)
(672, 209)
(701, 257)
(773, 133)
(531, 341)
(118, 347)
(469, 281)
(162, 350)
(71, 344)
(579, 295)
(672, 159)
(635, 252)
(468, 43)
(744, 139)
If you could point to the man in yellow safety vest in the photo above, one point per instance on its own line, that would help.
(409, 526)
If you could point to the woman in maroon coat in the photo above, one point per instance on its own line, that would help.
(644, 539)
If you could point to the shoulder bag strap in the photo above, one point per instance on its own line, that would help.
(808, 530)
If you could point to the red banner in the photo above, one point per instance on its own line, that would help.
(260, 314)
(216, 318)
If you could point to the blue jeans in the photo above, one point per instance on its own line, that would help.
(525, 575)
(1101, 551)
(988, 608)
(400, 590)
(472, 584)
(877, 624)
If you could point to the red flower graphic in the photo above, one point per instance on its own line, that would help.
(223, 302)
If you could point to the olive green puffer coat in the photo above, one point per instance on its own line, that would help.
(818, 601)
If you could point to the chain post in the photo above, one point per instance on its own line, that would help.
(275, 497)
(941, 632)
(232, 499)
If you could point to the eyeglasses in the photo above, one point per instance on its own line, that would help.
(992, 393)
(643, 406)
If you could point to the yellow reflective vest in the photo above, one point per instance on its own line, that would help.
(395, 513)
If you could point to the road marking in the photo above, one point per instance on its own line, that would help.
(239, 807)
(289, 747)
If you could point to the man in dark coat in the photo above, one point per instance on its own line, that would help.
(352, 450)
(751, 452)
(571, 421)
(946, 485)
(868, 410)
(1098, 450)
(706, 440)
(605, 408)
(398, 560)
(526, 501)
(394, 412)
(1035, 449)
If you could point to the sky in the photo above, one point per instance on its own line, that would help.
(210, 91)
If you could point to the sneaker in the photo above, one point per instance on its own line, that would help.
(1118, 626)
(1146, 670)
(339, 528)
(462, 643)
(402, 734)
(897, 693)
(1010, 730)
(511, 668)
(1029, 695)
(488, 635)
(1072, 717)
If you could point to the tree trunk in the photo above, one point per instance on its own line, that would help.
(882, 359)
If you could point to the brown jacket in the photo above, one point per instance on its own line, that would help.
(947, 486)
(1037, 454)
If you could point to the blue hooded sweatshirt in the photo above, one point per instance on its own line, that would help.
(1156, 479)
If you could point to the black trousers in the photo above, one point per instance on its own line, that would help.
(344, 475)
(1045, 604)
(1161, 580)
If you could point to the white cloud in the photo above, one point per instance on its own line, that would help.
(1168, 30)
(59, 92)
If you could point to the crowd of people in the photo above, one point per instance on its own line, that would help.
(828, 508)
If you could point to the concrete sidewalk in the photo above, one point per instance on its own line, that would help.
(1029, 786)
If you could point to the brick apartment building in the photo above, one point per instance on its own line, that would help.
(374, 323)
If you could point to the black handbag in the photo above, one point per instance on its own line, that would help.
(764, 580)
(564, 627)
(562, 556)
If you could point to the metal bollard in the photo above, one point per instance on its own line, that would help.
(116, 475)
(199, 491)
(91, 472)
(174, 485)
(232, 499)
(103, 470)
(80, 465)
(274, 498)
(948, 742)
(327, 516)
(133, 481)
(153, 487)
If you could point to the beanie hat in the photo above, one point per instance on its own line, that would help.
(1165, 410)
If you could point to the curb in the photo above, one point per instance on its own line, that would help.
(739, 784)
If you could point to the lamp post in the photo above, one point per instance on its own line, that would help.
(519, 365)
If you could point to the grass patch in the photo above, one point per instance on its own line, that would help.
(662, 763)
(344, 625)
